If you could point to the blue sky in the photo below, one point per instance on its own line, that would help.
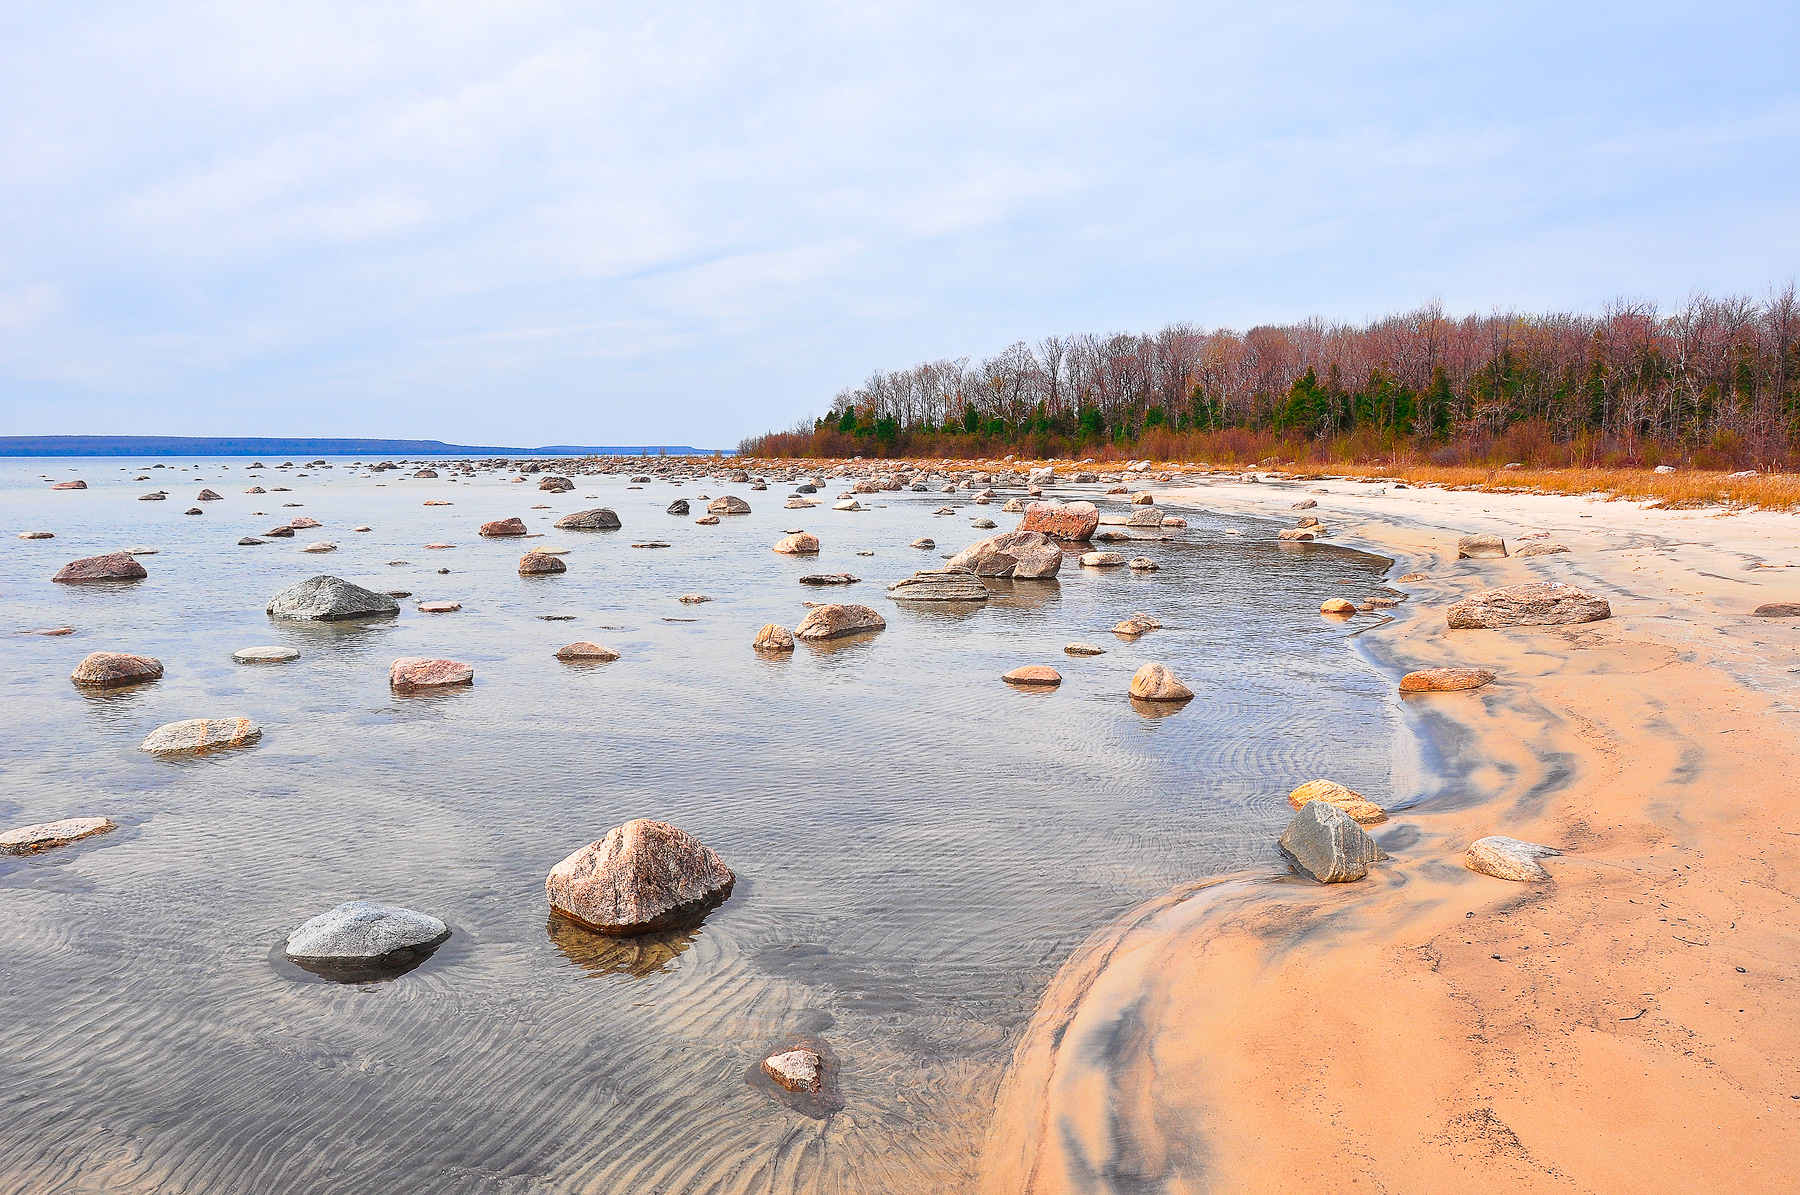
(532, 223)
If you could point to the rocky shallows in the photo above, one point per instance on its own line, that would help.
(111, 669)
(642, 876)
(114, 566)
(326, 598)
(194, 736)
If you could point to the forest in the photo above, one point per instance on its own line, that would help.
(1714, 385)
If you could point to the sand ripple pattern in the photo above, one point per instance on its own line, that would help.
(920, 847)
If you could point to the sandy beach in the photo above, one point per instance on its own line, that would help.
(1628, 1026)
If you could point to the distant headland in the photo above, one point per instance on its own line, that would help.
(291, 446)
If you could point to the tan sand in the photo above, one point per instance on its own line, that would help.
(1631, 1026)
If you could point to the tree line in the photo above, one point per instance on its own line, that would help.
(1715, 383)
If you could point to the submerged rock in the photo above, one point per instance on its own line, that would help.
(26, 839)
(1022, 555)
(325, 598)
(1480, 547)
(590, 652)
(773, 637)
(110, 669)
(1543, 603)
(1444, 680)
(195, 735)
(1328, 845)
(501, 528)
(265, 655)
(1154, 682)
(834, 621)
(1508, 858)
(1033, 674)
(1359, 807)
(598, 519)
(939, 585)
(411, 673)
(361, 931)
(114, 566)
(643, 876)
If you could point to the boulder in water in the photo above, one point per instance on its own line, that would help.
(110, 669)
(302, 523)
(830, 579)
(1022, 555)
(1143, 564)
(265, 655)
(678, 507)
(587, 652)
(70, 485)
(1083, 649)
(114, 566)
(207, 496)
(1101, 560)
(1033, 674)
(1337, 606)
(412, 673)
(1154, 682)
(25, 840)
(939, 585)
(503, 527)
(643, 876)
(37, 535)
(598, 519)
(363, 932)
(534, 564)
(924, 544)
(834, 621)
(196, 735)
(1328, 845)
(730, 504)
(773, 637)
(797, 1070)
(326, 598)
(798, 544)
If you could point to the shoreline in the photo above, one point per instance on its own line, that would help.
(1258, 1032)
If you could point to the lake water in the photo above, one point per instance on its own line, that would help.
(918, 845)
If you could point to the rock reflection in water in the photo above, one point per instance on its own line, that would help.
(601, 954)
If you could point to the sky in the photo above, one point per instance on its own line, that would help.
(536, 223)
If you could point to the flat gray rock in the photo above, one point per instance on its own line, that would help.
(26, 839)
(598, 519)
(939, 585)
(324, 598)
(1544, 603)
(265, 655)
(363, 931)
(1328, 844)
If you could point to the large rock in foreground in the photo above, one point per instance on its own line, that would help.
(836, 620)
(939, 585)
(1328, 844)
(500, 528)
(1508, 858)
(110, 669)
(114, 566)
(195, 735)
(1071, 521)
(325, 598)
(1022, 555)
(598, 519)
(412, 673)
(1359, 807)
(26, 839)
(1543, 603)
(361, 931)
(642, 876)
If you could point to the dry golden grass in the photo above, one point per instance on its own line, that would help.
(1683, 490)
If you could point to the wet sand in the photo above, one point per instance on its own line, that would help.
(1633, 1025)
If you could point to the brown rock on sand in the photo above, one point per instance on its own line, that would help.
(1337, 606)
(1480, 547)
(591, 652)
(26, 839)
(1543, 603)
(114, 566)
(1154, 682)
(411, 673)
(110, 669)
(503, 527)
(1359, 807)
(836, 620)
(1445, 680)
(798, 544)
(1778, 610)
(1033, 674)
(774, 637)
(797, 1070)
(1541, 550)
(1508, 858)
(1072, 522)
(643, 876)
(534, 564)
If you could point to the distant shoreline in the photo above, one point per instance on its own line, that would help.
(169, 446)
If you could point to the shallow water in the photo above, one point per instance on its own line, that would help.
(918, 845)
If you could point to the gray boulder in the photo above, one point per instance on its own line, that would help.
(939, 585)
(361, 931)
(1328, 845)
(325, 598)
(1543, 603)
(599, 519)
(1145, 516)
(1024, 555)
(679, 506)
